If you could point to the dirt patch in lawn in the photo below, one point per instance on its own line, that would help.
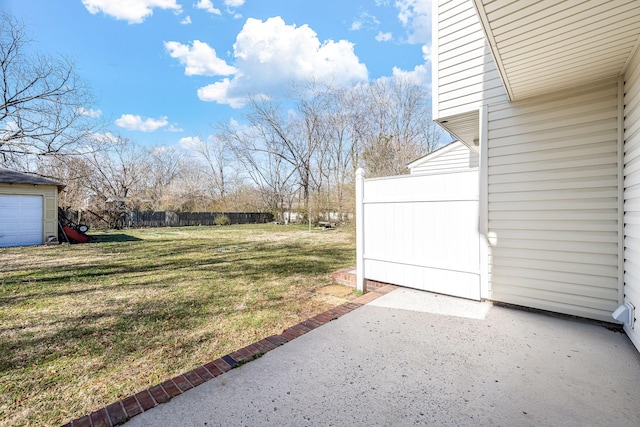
(337, 291)
(335, 295)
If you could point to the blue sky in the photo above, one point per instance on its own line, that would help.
(165, 71)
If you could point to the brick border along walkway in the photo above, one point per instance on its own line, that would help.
(120, 412)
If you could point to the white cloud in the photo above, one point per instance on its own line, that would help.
(364, 20)
(132, 11)
(94, 114)
(383, 37)
(174, 128)
(271, 54)
(135, 122)
(420, 74)
(208, 6)
(104, 138)
(199, 59)
(426, 53)
(186, 20)
(10, 126)
(190, 142)
(234, 123)
(232, 5)
(220, 92)
(415, 16)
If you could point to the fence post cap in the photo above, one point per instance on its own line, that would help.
(360, 172)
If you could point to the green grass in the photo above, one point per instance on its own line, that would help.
(82, 326)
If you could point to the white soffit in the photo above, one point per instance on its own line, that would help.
(548, 45)
(464, 127)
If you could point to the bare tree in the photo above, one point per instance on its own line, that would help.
(75, 172)
(43, 101)
(400, 128)
(346, 122)
(213, 152)
(166, 165)
(188, 192)
(313, 107)
(323, 134)
(294, 138)
(116, 184)
(258, 150)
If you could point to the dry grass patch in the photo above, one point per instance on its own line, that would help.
(82, 326)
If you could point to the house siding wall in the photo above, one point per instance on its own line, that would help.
(459, 158)
(553, 201)
(465, 74)
(50, 204)
(632, 191)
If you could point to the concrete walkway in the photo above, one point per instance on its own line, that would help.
(414, 358)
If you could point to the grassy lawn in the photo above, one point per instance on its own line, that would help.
(82, 326)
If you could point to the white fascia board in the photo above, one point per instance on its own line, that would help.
(491, 41)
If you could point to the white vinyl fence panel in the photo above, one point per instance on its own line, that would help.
(421, 231)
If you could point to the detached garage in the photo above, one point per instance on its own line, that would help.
(28, 209)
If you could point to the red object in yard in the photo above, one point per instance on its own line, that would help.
(75, 235)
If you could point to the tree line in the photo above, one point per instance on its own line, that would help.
(296, 154)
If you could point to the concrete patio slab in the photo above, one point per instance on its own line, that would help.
(414, 358)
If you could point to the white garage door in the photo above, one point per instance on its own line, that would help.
(20, 220)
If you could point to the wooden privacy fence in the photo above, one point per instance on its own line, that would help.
(181, 219)
(137, 219)
(420, 231)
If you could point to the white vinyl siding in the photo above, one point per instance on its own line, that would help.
(632, 192)
(465, 74)
(455, 158)
(553, 201)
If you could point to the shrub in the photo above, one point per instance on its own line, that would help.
(222, 220)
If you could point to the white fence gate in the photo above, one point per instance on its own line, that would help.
(420, 231)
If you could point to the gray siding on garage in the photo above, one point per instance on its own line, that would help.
(553, 201)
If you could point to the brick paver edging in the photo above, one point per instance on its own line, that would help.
(120, 412)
